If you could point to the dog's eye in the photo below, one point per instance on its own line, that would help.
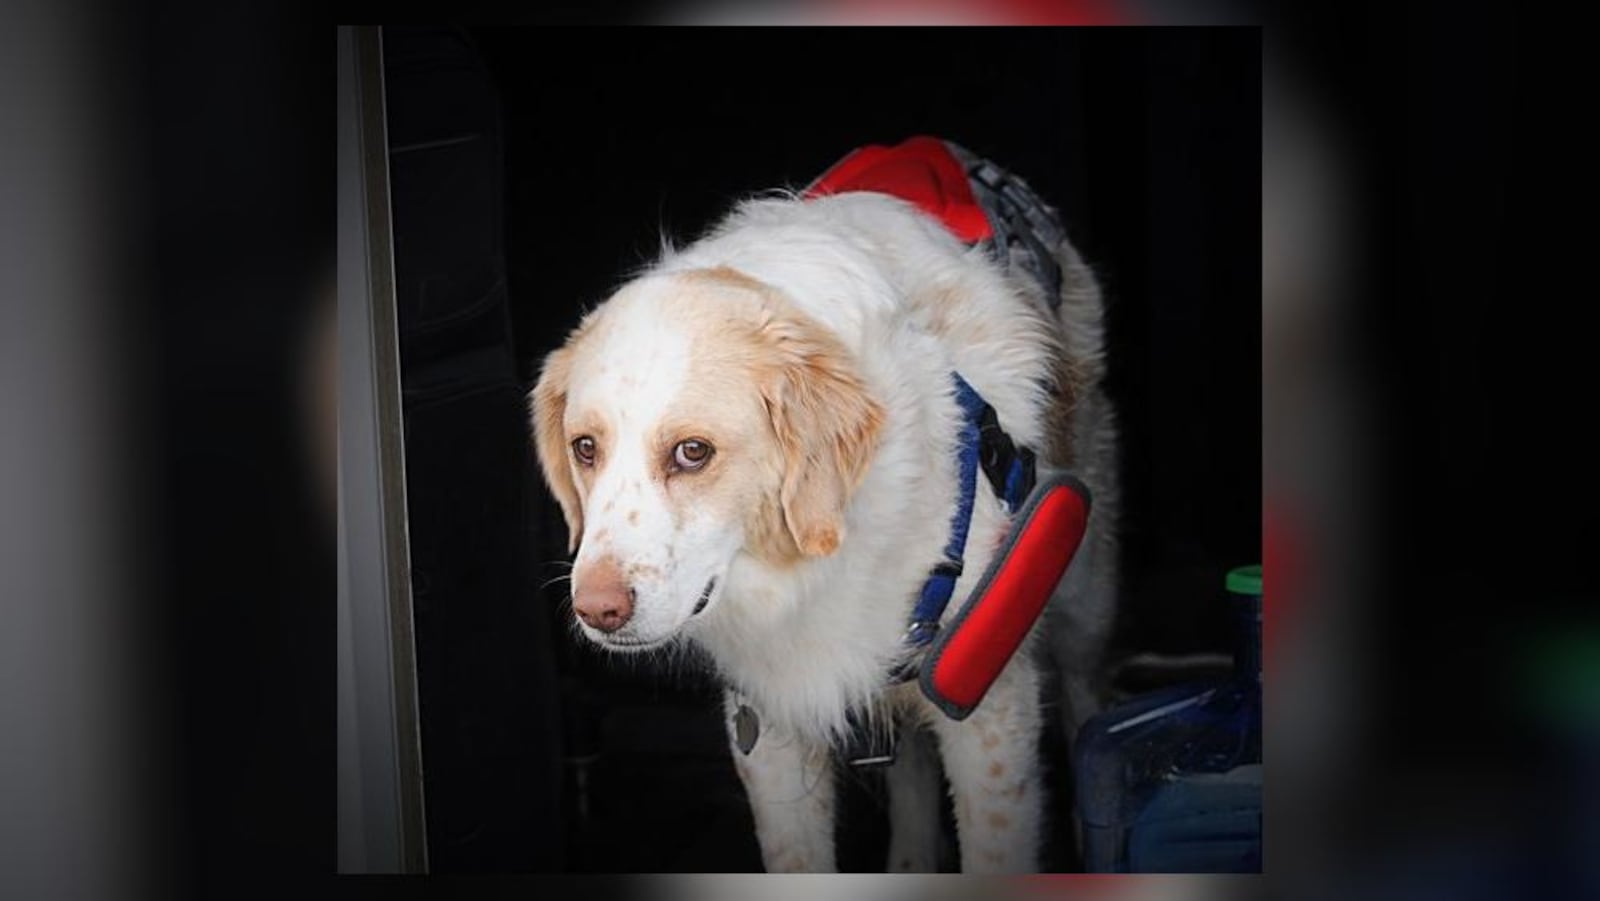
(583, 449)
(691, 454)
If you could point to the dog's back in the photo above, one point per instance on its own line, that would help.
(1039, 363)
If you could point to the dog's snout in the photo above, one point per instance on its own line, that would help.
(604, 601)
(605, 608)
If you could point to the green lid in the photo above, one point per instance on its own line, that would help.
(1562, 668)
(1245, 580)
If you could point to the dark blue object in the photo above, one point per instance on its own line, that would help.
(1170, 782)
(942, 581)
(1010, 470)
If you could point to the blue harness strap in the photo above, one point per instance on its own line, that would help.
(983, 444)
(941, 582)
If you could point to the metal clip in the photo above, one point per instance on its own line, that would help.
(866, 748)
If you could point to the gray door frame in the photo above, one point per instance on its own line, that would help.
(381, 825)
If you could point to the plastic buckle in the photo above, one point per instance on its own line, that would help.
(922, 632)
(919, 635)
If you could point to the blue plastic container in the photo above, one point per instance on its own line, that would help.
(1170, 782)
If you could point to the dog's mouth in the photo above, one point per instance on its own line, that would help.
(705, 597)
(619, 643)
(632, 644)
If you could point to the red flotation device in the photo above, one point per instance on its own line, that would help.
(921, 170)
(975, 644)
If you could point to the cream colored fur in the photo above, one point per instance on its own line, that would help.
(812, 343)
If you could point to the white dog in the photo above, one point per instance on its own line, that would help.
(754, 446)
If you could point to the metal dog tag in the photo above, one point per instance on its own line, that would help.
(746, 729)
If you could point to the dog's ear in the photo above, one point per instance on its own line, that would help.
(548, 408)
(827, 428)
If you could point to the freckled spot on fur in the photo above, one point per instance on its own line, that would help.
(1069, 380)
(601, 536)
(609, 504)
(999, 820)
(996, 770)
(1015, 792)
(633, 517)
(820, 542)
(990, 739)
(993, 857)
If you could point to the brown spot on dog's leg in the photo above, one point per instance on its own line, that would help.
(996, 770)
(999, 820)
(788, 863)
(990, 739)
(633, 517)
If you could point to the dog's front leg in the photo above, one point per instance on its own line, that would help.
(914, 785)
(992, 761)
(789, 780)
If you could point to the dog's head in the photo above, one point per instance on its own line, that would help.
(691, 418)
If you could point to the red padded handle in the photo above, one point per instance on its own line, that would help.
(993, 626)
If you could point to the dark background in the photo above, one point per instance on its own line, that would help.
(532, 170)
